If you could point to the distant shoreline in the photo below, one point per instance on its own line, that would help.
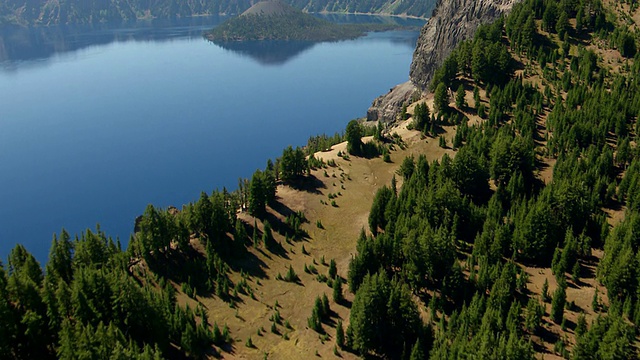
(402, 16)
(150, 18)
(276, 20)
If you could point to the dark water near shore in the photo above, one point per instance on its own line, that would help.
(98, 121)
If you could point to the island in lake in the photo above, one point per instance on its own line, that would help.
(275, 20)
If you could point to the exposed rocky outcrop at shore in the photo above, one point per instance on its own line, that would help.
(386, 107)
(451, 22)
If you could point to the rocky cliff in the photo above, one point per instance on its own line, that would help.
(387, 107)
(451, 22)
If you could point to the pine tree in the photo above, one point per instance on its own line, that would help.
(315, 320)
(340, 334)
(460, 101)
(241, 233)
(575, 272)
(545, 291)
(562, 25)
(533, 320)
(254, 237)
(581, 325)
(394, 186)
(60, 257)
(267, 236)
(291, 275)
(441, 99)
(442, 142)
(338, 298)
(333, 269)
(476, 96)
(326, 308)
(257, 195)
(353, 134)
(558, 302)
(580, 19)
(417, 352)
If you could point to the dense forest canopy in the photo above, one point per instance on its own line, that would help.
(48, 12)
(460, 231)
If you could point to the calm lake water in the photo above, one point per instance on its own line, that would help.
(97, 122)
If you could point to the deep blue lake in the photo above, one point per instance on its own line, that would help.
(97, 122)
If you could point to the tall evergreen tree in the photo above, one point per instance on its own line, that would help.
(353, 135)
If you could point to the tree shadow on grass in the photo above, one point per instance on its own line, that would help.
(310, 184)
(346, 303)
(547, 337)
(250, 264)
(229, 348)
(281, 208)
(276, 248)
(282, 227)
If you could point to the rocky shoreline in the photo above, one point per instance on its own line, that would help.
(452, 21)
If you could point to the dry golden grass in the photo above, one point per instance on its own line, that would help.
(580, 293)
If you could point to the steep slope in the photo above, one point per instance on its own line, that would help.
(270, 8)
(451, 22)
(570, 104)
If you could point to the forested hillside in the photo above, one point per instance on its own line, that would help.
(47, 12)
(504, 224)
(546, 106)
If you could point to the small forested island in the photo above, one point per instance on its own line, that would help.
(275, 20)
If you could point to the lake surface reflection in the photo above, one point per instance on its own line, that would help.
(97, 122)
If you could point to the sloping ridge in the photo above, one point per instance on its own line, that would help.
(271, 7)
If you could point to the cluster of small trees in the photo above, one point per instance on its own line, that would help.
(484, 58)
(385, 320)
(88, 304)
(260, 191)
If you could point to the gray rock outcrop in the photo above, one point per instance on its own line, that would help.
(386, 107)
(451, 22)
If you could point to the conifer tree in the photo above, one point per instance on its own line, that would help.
(340, 334)
(353, 135)
(460, 101)
(441, 99)
(558, 302)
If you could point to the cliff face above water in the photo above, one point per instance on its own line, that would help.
(451, 22)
